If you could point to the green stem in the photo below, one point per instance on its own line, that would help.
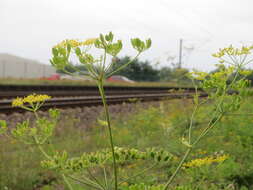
(207, 130)
(140, 173)
(67, 182)
(95, 179)
(102, 93)
(248, 62)
(178, 168)
(233, 59)
(244, 58)
(50, 158)
(191, 122)
(105, 178)
(87, 182)
(220, 116)
(103, 66)
(227, 61)
(44, 152)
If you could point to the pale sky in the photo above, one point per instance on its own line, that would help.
(29, 28)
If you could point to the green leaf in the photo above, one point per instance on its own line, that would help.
(52, 62)
(68, 47)
(102, 38)
(107, 38)
(55, 52)
(133, 42)
(3, 127)
(54, 113)
(78, 51)
(138, 42)
(62, 51)
(148, 43)
(120, 45)
(111, 36)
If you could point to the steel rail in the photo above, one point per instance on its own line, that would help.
(63, 102)
(12, 91)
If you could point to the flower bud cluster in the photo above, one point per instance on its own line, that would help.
(142, 186)
(61, 162)
(96, 67)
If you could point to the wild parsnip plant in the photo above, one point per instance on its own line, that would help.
(35, 133)
(226, 90)
(98, 70)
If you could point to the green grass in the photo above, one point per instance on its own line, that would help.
(13, 81)
(156, 126)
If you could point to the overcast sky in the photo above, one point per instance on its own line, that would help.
(29, 28)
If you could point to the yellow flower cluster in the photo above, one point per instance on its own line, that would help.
(205, 161)
(245, 72)
(75, 43)
(233, 51)
(18, 102)
(89, 41)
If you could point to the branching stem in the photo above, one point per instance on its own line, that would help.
(102, 93)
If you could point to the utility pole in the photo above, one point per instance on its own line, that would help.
(180, 53)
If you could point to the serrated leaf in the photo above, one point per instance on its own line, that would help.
(54, 51)
(138, 42)
(78, 51)
(133, 42)
(102, 38)
(111, 36)
(3, 123)
(62, 51)
(54, 113)
(3, 127)
(148, 43)
(68, 47)
(107, 38)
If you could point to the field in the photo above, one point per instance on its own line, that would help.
(159, 125)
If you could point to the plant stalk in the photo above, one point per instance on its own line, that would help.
(102, 93)
(67, 182)
(178, 168)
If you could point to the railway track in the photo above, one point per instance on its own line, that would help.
(12, 91)
(74, 96)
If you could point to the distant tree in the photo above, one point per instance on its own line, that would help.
(137, 71)
(178, 75)
(166, 74)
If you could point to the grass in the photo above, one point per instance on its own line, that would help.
(15, 81)
(156, 126)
